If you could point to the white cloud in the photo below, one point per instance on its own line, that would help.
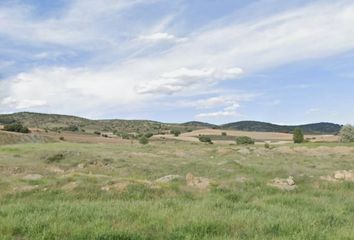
(229, 104)
(183, 78)
(79, 91)
(161, 37)
(219, 114)
(20, 104)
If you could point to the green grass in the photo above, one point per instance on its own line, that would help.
(230, 209)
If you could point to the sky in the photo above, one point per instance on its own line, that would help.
(217, 61)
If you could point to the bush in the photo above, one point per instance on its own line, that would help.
(72, 128)
(243, 140)
(124, 135)
(16, 127)
(62, 138)
(143, 140)
(347, 134)
(55, 158)
(223, 134)
(175, 132)
(267, 146)
(205, 139)
(148, 135)
(97, 133)
(298, 136)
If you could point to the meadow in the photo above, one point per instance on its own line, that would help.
(67, 190)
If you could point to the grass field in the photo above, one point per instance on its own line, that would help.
(109, 191)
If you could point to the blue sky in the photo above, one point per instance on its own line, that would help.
(285, 62)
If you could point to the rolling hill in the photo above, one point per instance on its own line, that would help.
(254, 126)
(55, 122)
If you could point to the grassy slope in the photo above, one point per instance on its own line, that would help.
(230, 210)
(13, 138)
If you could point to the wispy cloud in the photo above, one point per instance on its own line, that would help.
(161, 37)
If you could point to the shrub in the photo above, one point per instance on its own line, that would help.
(55, 158)
(124, 135)
(16, 127)
(298, 136)
(244, 140)
(267, 146)
(62, 138)
(175, 132)
(205, 139)
(72, 128)
(347, 133)
(143, 140)
(97, 133)
(223, 134)
(149, 135)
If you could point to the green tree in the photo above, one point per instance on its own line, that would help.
(347, 133)
(298, 136)
(143, 140)
(16, 127)
(175, 132)
(149, 135)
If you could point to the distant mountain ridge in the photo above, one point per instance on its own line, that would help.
(40, 120)
(255, 126)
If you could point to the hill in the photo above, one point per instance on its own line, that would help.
(63, 122)
(254, 126)
(200, 124)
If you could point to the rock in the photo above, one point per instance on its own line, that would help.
(105, 188)
(168, 178)
(70, 186)
(283, 184)
(119, 187)
(56, 169)
(290, 181)
(328, 178)
(344, 175)
(25, 188)
(197, 182)
(81, 165)
(32, 177)
(244, 151)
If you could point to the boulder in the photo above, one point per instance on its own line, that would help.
(200, 183)
(168, 178)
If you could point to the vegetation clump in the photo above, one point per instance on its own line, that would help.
(205, 139)
(55, 158)
(175, 132)
(149, 135)
(298, 136)
(143, 140)
(223, 134)
(347, 133)
(16, 127)
(72, 128)
(244, 140)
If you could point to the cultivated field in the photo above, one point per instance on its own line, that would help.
(90, 187)
(260, 137)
